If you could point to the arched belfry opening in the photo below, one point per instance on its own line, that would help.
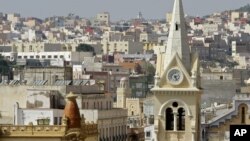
(169, 119)
(181, 119)
(175, 117)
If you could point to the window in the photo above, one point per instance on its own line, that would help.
(53, 97)
(151, 119)
(221, 77)
(176, 26)
(43, 56)
(169, 119)
(69, 48)
(49, 56)
(25, 57)
(175, 104)
(203, 134)
(138, 93)
(60, 121)
(19, 57)
(61, 56)
(138, 85)
(45, 121)
(37, 56)
(243, 120)
(148, 134)
(55, 121)
(181, 119)
(55, 56)
(31, 57)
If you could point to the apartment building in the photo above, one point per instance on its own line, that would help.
(127, 47)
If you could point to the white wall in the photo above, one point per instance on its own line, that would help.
(152, 133)
(25, 116)
(90, 115)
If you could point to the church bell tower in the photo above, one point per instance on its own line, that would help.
(176, 92)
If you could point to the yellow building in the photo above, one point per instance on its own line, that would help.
(235, 16)
(147, 46)
(103, 17)
(73, 128)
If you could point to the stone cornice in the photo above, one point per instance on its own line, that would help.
(32, 130)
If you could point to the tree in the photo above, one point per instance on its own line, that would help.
(4, 66)
(85, 48)
(245, 8)
(148, 70)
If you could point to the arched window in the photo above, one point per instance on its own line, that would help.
(181, 119)
(169, 119)
(243, 108)
(203, 134)
(243, 120)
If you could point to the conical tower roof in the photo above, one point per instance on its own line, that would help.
(71, 111)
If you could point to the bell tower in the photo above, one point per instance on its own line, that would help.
(176, 93)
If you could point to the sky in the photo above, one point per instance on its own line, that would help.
(118, 9)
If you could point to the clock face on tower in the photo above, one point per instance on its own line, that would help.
(174, 76)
